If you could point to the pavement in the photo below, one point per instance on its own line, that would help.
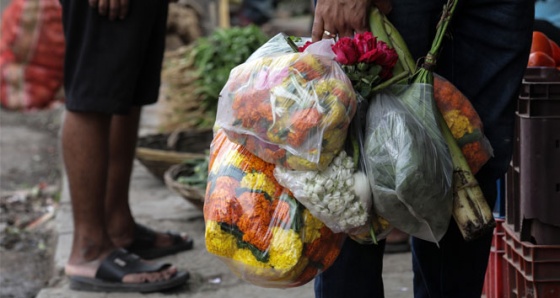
(157, 206)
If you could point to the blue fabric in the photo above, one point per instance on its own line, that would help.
(485, 58)
(548, 10)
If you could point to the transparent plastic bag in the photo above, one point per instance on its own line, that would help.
(340, 196)
(290, 109)
(277, 45)
(257, 227)
(464, 123)
(408, 163)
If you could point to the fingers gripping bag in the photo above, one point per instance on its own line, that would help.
(408, 164)
(290, 109)
(256, 226)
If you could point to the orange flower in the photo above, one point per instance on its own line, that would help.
(222, 209)
(324, 250)
(476, 155)
(255, 221)
(283, 215)
(227, 183)
(216, 147)
(309, 67)
(302, 120)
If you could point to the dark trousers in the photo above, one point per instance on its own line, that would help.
(485, 58)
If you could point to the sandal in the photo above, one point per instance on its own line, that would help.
(145, 238)
(119, 263)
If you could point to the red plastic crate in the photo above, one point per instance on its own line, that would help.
(494, 281)
(532, 270)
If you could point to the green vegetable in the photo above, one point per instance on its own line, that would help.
(216, 55)
(199, 175)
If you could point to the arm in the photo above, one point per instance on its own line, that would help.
(344, 17)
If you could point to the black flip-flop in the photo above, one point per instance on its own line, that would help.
(145, 238)
(119, 263)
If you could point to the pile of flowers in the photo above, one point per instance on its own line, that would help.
(257, 227)
(291, 110)
(337, 193)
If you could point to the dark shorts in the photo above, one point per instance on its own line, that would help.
(111, 66)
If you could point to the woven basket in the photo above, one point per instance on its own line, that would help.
(158, 152)
(192, 194)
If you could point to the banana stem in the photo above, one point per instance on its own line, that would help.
(470, 209)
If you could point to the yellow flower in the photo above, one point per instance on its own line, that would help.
(336, 115)
(258, 181)
(312, 227)
(299, 163)
(332, 141)
(285, 249)
(245, 256)
(234, 158)
(458, 123)
(219, 242)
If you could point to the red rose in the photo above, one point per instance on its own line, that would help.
(390, 57)
(365, 42)
(302, 48)
(346, 51)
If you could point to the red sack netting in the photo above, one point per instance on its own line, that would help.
(31, 54)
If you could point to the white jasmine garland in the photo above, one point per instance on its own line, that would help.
(338, 196)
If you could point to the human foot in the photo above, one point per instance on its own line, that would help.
(150, 244)
(121, 271)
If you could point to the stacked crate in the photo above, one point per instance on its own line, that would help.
(532, 226)
(495, 279)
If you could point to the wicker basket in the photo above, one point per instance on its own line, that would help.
(192, 194)
(158, 152)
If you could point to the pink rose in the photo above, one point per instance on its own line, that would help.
(346, 51)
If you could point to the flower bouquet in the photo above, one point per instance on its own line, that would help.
(256, 226)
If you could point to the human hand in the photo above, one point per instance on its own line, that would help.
(344, 17)
(113, 8)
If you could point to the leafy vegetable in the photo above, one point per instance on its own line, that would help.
(216, 55)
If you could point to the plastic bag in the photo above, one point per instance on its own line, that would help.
(290, 109)
(339, 196)
(277, 45)
(408, 164)
(257, 227)
(464, 123)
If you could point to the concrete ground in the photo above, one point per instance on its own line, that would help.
(159, 207)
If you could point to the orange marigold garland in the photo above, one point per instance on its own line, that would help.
(285, 108)
(257, 227)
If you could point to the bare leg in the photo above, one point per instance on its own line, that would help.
(123, 136)
(85, 151)
(120, 221)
